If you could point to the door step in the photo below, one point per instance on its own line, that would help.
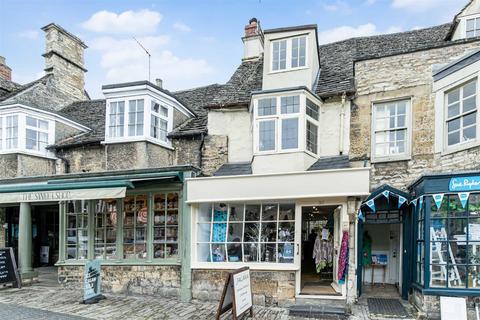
(317, 311)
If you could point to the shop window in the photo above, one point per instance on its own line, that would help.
(390, 129)
(455, 243)
(77, 230)
(135, 227)
(105, 229)
(249, 233)
(165, 225)
(420, 245)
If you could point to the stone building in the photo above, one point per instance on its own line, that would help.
(326, 169)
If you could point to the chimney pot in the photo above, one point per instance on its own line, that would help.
(159, 82)
(5, 71)
(252, 28)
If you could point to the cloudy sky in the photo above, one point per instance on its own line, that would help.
(195, 42)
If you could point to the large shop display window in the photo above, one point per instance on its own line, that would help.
(146, 229)
(249, 233)
(454, 243)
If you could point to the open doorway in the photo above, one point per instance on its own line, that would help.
(318, 263)
(45, 235)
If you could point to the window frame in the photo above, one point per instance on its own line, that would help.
(288, 58)
(476, 18)
(21, 133)
(147, 121)
(160, 117)
(408, 127)
(258, 265)
(467, 143)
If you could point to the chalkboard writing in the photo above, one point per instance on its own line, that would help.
(237, 294)
(92, 282)
(8, 267)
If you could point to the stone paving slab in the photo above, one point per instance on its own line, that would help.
(63, 304)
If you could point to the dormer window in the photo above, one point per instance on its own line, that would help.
(473, 27)
(141, 111)
(26, 133)
(289, 53)
(291, 127)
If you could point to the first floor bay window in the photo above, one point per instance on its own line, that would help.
(36, 134)
(246, 232)
(116, 118)
(11, 129)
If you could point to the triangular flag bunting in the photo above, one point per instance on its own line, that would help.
(420, 203)
(414, 202)
(401, 201)
(438, 198)
(371, 204)
(386, 193)
(361, 216)
(463, 196)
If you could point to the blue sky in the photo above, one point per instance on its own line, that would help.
(195, 42)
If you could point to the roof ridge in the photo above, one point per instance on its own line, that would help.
(196, 88)
(26, 87)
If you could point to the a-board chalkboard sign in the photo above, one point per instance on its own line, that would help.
(8, 268)
(237, 294)
(92, 282)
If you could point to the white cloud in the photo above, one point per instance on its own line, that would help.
(339, 6)
(422, 5)
(180, 26)
(123, 60)
(29, 34)
(133, 22)
(345, 32)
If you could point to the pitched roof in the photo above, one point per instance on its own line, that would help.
(330, 163)
(237, 91)
(7, 87)
(197, 99)
(455, 21)
(234, 169)
(90, 113)
(337, 59)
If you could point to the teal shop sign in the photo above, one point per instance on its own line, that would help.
(92, 282)
(464, 183)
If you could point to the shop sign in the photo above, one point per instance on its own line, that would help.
(92, 282)
(8, 268)
(464, 183)
(237, 294)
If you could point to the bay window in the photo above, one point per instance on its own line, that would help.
(286, 123)
(24, 132)
(116, 118)
(246, 232)
(461, 114)
(159, 122)
(390, 129)
(289, 53)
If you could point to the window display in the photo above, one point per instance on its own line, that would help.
(105, 229)
(165, 225)
(135, 227)
(77, 230)
(238, 232)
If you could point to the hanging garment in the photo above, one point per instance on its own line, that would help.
(343, 258)
(322, 253)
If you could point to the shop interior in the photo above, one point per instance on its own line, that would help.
(318, 253)
(45, 236)
(381, 256)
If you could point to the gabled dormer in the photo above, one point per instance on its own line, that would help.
(466, 23)
(290, 57)
(142, 111)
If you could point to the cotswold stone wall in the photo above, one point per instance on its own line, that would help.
(188, 151)
(405, 76)
(268, 287)
(214, 153)
(163, 281)
(82, 159)
(22, 165)
(429, 306)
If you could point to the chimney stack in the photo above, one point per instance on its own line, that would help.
(64, 58)
(5, 71)
(253, 40)
(159, 82)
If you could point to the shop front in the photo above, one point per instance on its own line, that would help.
(294, 231)
(132, 221)
(446, 238)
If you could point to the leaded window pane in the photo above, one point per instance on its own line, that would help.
(267, 135)
(290, 133)
(267, 107)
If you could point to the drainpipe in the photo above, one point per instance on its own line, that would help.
(342, 120)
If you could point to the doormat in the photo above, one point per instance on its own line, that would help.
(386, 307)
